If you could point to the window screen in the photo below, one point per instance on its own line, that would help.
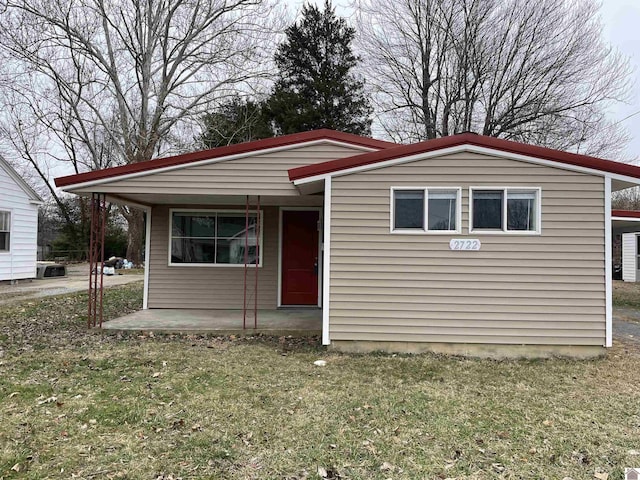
(521, 210)
(442, 209)
(408, 209)
(487, 209)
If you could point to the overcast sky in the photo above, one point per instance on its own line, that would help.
(621, 19)
(621, 22)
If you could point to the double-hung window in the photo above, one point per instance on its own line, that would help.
(425, 210)
(214, 237)
(5, 231)
(510, 210)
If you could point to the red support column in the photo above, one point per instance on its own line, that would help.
(103, 221)
(257, 261)
(246, 261)
(98, 215)
(91, 262)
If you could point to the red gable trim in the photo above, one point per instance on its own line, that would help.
(247, 147)
(465, 139)
(626, 213)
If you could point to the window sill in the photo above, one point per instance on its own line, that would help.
(219, 265)
(426, 232)
(526, 233)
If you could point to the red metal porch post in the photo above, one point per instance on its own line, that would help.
(98, 216)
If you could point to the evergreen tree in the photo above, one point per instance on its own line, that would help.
(316, 87)
(235, 121)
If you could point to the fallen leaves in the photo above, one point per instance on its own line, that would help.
(328, 473)
(388, 467)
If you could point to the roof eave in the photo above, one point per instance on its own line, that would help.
(464, 142)
(217, 154)
(34, 198)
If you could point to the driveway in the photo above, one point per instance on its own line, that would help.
(626, 325)
(77, 280)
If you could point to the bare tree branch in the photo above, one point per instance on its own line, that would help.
(113, 82)
(530, 71)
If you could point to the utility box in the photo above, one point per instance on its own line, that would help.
(630, 257)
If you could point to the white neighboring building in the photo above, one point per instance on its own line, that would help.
(18, 225)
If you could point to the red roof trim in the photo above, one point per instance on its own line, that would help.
(626, 213)
(465, 139)
(247, 147)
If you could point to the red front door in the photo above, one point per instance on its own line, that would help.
(300, 257)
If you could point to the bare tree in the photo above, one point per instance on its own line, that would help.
(113, 81)
(536, 72)
(628, 199)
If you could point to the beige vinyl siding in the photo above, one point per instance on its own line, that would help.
(531, 289)
(260, 174)
(217, 287)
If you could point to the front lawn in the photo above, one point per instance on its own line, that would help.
(78, 404)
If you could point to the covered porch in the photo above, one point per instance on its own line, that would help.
(284, 321)
(228, 233)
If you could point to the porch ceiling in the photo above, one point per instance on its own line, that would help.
(175, 199)
(626, 223)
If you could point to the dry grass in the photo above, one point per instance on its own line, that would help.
(131, 271)
(626, 294)
(86, 405)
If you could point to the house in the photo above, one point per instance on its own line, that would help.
(625, 232)
(631, 473)
(465, 244)
(18, 225)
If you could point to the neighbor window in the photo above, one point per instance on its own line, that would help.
(214, 237)
(505, 209)
(5, 231)
(425, 210)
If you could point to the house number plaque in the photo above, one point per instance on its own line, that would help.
(464, 244)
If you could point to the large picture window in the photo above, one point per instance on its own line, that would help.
(425, 210)
(505, 210)
(214, 238)
(5, 231)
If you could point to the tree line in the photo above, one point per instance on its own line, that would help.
(89, 84)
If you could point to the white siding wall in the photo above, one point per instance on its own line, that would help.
(20, 261)
(629, 255)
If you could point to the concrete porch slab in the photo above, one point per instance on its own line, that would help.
(297, 321)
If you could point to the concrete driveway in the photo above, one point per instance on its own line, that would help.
(626, 325)
(77, 280)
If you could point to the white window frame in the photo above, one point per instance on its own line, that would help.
(10, 212)
(425, 230)
(217, 210)
(504, 231)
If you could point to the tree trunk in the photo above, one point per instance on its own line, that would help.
(135, 234)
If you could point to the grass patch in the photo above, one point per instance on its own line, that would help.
(130, 271)
(95, 405)
(626, 294)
